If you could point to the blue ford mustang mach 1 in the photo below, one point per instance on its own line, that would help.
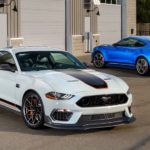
(132, 52)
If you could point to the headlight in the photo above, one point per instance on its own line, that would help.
(128, 92)
(58, 96)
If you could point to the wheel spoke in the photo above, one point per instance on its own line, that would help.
(142, 66)
(99, 60)
(32, 110)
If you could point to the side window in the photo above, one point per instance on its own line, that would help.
(6, 58)
(134, 43)
(123, 42)
(130, 42)
(139, 44)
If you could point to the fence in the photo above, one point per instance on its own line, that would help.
(143, 29)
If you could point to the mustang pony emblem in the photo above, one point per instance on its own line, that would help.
(106, 99)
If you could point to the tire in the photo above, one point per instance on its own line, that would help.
(142, 66)
(98, 60)
(33, 110)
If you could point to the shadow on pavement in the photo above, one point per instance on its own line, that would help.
(12, 122)
(141, 143)
(119, 72)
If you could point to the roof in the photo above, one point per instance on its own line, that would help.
(142, 37)
(30, 48)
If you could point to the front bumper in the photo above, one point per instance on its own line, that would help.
(85, 125)
(79, 119)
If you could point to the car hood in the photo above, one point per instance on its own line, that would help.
(75, 81)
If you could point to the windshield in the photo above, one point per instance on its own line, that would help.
(44, 60)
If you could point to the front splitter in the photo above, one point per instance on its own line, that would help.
(94, 125)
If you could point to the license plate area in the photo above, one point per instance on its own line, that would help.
(107, 116)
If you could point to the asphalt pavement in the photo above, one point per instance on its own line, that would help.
(14, 135)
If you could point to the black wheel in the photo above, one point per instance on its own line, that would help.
(33, 110)
(142, 66)
(99, 61)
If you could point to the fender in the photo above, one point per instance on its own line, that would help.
(37, 85)
(101, 50)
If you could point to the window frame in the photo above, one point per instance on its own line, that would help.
(140, 41)
(72, 58)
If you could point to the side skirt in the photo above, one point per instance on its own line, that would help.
(121, 65)
(10, 106)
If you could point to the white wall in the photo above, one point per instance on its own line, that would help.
(43, 22)
(109, 23)
(3, 30)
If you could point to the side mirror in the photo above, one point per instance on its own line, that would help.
(6, 67)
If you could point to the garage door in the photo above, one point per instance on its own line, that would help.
(43, 22)
(3, 30)
(109, 23)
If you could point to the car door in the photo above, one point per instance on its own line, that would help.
(124, 51)
(133, 48)
(7, 78)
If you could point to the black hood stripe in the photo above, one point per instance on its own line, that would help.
(87, 78)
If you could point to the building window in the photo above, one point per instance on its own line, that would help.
(103, 1)
(111, 2)
(108, 1)
(87, 4)
(114, 2)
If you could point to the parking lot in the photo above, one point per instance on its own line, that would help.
(14, 135)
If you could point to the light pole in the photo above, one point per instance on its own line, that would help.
(68, 28)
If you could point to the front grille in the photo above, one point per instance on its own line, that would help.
(103, 100)
(101, 118)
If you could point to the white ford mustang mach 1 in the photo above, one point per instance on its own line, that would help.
(52, 88)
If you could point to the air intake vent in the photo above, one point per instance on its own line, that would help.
(61, 115)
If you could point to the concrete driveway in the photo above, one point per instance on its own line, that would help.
(14, 135)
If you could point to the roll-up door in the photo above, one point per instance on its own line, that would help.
(43, 22)
(109, 23)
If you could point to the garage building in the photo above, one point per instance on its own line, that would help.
(64, 23)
